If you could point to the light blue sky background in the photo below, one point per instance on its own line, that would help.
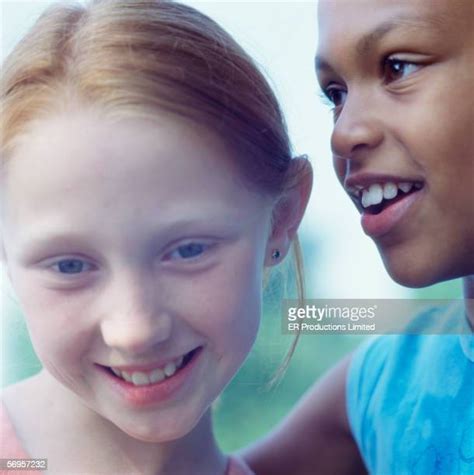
(340, 260)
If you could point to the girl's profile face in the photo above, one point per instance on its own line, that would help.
(399, 74)
(134, 246)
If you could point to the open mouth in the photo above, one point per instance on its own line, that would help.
(156, 375)
(376, 198)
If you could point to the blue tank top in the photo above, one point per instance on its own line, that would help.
(410, 400)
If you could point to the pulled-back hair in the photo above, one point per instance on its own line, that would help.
(137, 58)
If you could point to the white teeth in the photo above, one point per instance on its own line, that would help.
(116, 372)
(140, 378)
(372, 196)
(390, 190)
(157, 375)
(170, 369)
(377, 192)
(126, 376)
(405, 187)
(365, 199)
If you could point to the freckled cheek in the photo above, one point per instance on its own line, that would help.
(56, 325)
(225, 309)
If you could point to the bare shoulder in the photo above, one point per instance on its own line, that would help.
(315, 437)
(325, 402)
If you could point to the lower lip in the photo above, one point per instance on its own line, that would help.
(377, 225)
(141, 396)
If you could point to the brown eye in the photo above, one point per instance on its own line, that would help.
(395, 69)
(336, 95)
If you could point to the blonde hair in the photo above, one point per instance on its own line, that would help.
(135, 57)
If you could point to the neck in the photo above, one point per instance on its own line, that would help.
(469, 298)
(110, 450)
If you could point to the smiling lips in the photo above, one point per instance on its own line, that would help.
(154, 375)
(142, 378)
(146, 385)
(375, 193)
(383, 203)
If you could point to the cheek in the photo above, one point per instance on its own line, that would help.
(442, 121)
(340, 168)
(226, 306)
(49, 317)
(446, 153)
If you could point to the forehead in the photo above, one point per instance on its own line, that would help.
(82, 181)
(86, 145)
(350, 20)
(87, 164)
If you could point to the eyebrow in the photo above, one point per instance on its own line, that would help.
(368, 41)
(321, 64)
(36, 245)
(409, 22)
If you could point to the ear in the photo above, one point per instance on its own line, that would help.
(289, 210)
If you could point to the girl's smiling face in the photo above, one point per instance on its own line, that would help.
(133, 245)
(399, 75)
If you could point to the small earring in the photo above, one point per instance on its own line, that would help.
(276, 254)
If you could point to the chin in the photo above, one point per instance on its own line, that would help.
(412, 279)
(415, 274)
(165, 427)
(154, 435)
(422, 262)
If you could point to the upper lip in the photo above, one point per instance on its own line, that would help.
(160, 363)
(354, 183)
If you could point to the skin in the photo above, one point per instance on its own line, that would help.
(119, 202)
(403, 106)
(417, 66)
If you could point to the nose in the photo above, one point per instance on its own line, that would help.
(358, 127)
(134, 318)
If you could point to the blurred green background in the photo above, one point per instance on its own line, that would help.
(248, 410)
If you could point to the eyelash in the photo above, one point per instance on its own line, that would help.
(328, 97)
(393, 60)
(328, 92)
(324, 98)
(168, 257)
(205, 248)
(71, 259)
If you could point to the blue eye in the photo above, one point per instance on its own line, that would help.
(70, 266)
(188, 251)
(395, 69)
